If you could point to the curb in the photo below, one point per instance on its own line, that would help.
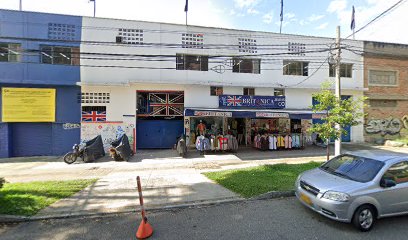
(265, 196)
(274, 194)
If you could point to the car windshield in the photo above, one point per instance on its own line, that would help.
(353, 167)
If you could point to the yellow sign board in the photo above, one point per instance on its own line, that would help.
(28, 105)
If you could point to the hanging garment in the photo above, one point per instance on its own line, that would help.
(232, 143)
(206, 144)
(200, 143)
(212, 140)
(271, 147)
(281, 141)
(288, 141)
(264, 143)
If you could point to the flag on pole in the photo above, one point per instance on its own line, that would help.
(186, 6)
(281, 13)
(353, 20)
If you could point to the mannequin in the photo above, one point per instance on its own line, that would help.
(201, 128)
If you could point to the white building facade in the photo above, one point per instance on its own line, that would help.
(155, 81)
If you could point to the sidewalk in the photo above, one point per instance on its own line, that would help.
(167, 179)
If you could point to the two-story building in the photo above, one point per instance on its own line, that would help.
(386, 77)
(39, 69)
(161, 80)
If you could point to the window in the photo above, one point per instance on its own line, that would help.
(93, 97)
(297, 48)
(192, 40)
(191, 62)
(216, 91)
(382, 103)
(61, 31)
(247, 45)
(346, 70)
(60, 55)
(352, 167)
(9, 52)
(397, 172)
(295, 68)
(279, 92)
(382, 78)
(130, 36)
(249, 91)
(245, 65)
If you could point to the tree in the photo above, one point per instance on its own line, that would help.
(345, 112)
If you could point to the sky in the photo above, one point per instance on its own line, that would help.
(311, 17)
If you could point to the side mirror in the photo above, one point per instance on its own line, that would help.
(387, 183)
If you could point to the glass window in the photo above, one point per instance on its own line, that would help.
(249, 91)
(244, 65)
(346, 70)
(353, 167)
(382, 78)
(216, 91)
(397, 172)
(279, 92)
(295, 68)
(191, 62)
(9, 52)
(60, 55)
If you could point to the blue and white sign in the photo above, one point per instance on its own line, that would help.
(244, 101)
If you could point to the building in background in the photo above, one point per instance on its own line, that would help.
(386, 77)
(39, 69)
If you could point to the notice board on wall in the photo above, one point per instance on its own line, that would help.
(28, 105)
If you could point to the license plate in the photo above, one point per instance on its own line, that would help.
(305, 199)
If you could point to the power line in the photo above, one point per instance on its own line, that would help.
(377, 17)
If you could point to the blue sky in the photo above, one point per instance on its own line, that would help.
(312, 17)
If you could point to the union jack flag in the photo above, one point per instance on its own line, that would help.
(234, 101)
(93, 116)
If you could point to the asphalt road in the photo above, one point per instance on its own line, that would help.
(266, 219)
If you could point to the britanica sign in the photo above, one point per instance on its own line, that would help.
(245, 101)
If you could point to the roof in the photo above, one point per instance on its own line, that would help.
(380, 155)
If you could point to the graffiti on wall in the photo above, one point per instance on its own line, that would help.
(108, 131)
(384, 126)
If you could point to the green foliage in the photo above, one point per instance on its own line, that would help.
(249, 182)
(345, 112)
(29, 198)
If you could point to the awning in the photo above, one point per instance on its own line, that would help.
(252, 113)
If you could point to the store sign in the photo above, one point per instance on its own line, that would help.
(28, 105)
(244, 101)
(212, 114)
(272, 115)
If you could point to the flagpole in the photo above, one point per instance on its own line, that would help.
(186, 17)
(94, 8)
(281, 17)
(21, 5)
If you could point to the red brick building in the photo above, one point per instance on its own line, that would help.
(386, 77)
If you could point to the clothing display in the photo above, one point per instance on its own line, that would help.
(277, 141)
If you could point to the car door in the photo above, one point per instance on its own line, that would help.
(395, 199)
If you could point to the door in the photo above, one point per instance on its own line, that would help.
(31, 139)
(158, 133)
(395, 199)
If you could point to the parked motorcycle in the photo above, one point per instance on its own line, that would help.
(120, 149)
(77, 151)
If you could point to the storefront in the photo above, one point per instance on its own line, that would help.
(247, 125)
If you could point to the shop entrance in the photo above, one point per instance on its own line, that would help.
(237, 127)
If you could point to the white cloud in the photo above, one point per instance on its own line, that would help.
(337, 6)
(252, 11)
(315, 17)
(289, 16)
(322, 26)
(267, 18)
(245, 3)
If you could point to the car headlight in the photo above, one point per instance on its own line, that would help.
(336, 196)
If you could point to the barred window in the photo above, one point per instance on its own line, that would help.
(382, 78)
(95, 97)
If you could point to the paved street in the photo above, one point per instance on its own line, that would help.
(167, 179)
(268, 219)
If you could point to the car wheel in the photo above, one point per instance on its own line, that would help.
(364, 218)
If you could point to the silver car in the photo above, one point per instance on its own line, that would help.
(357, 187)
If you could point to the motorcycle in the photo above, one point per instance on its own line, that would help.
(77, 151)
(182, 146)
(120, 149)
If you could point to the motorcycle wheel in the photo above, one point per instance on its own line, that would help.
(70, 158)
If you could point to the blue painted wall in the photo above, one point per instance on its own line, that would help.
(30, 72)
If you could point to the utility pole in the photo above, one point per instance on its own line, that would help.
(337, 143)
